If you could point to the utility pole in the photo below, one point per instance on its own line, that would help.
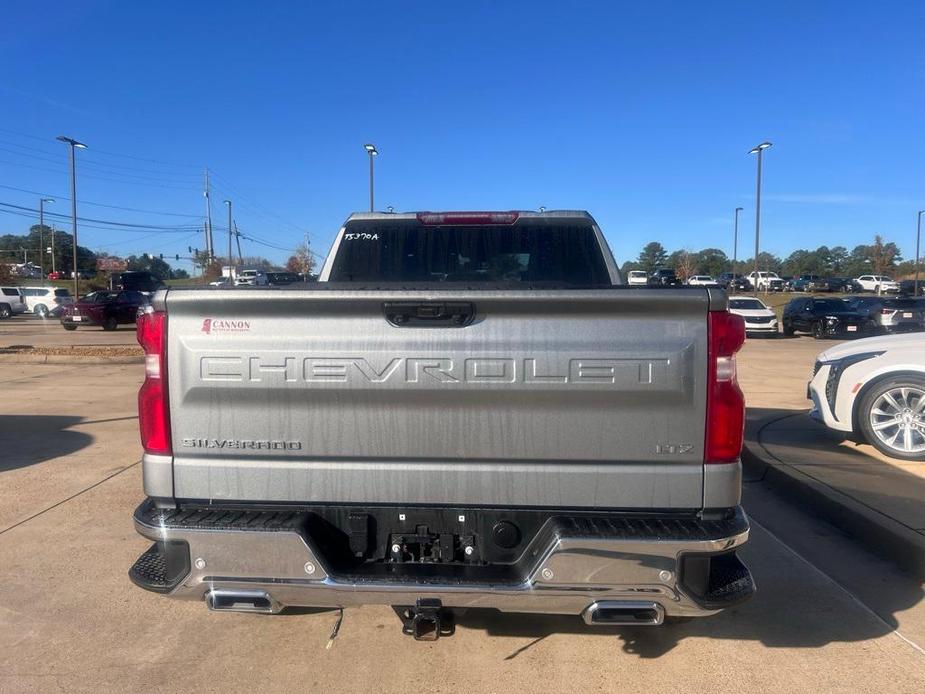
(210, 250)
(237, 236)
(230, 234)
(918, 240)
(54, 230)
(42, 202)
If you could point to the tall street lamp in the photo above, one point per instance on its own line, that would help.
(759, 150)
(372, 151)
(72, 145)
(735, 240)
(42, 202)
(918, 241)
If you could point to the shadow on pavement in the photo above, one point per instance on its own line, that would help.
(29, 439)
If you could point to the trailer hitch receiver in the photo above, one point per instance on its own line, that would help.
(426, 621)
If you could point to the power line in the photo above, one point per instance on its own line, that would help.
(100, 204)
(124, 225)
(107, 153)
(97, 177)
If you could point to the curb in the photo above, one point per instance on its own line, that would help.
(879, 533)
(66, 359)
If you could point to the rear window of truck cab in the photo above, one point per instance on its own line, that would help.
(527, 251)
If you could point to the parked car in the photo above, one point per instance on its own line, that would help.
(663, 277)
(135, 281)
(732, 282)
(582, 444)
(890, 314)
(876, 283)
(12, 301)
(46, 301)
(907, 287)
(757, 316)
(702, 281)
(222, 282)
(845, 285)
(106, 308)
(281, 279)
(251, 278)
(56, 275)
(810, 283)
(824, 318)
(874, 390)
(765, 281)
(637, 277)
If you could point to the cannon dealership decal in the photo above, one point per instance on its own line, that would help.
(223, 325)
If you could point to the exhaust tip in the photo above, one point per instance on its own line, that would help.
(624, 612)
(241, 601)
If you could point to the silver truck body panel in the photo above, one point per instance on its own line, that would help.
(559, 398)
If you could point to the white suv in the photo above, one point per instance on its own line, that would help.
(637, 277)
(11, 301)
(702, 281)
(251, 278)
(43, 301)
(877, 283)
(875, 389)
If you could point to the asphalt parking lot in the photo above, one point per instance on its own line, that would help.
(827, 615)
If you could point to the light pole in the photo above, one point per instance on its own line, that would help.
(230, 234)
(735, 240)
(73, 144)
(759, 150)
(372, 151)
(54, 230)
(42, 202)
(918, 241)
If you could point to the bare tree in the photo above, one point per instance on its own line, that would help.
(685, 265)
(882, 255)
(304, 259)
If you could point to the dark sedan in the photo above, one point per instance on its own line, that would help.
(107, 309)
(825, 318)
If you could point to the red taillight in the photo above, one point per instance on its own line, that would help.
(153, 417)
(725, 402)
(463, 218)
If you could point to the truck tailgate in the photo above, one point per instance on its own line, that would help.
(547, 398)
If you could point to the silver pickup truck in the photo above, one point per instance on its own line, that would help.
(467, 410)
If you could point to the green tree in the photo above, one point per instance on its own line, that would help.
(148, 263)
(652, 257)
(712, 261)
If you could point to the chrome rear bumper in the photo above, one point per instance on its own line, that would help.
(267, 570)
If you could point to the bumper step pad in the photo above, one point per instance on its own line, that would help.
(161, 568)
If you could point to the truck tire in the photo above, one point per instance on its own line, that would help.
(69, 326)
(818, 332)
(889, 405)
(5, 311)
(110, 323)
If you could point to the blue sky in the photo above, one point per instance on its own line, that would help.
(641, 113)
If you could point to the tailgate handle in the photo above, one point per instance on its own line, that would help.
(429, 314)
